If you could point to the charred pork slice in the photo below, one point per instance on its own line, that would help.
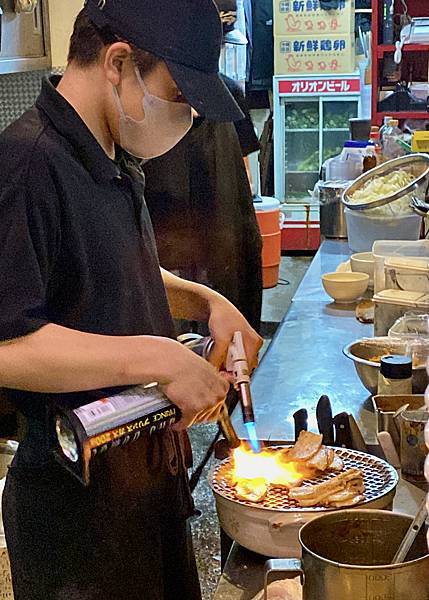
(307, 445)
(337, 465)
(322, 459)
(318, 494)
(251, 490)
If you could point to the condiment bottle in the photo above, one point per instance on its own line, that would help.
(395, 376)
(376, 139)
(370, 158)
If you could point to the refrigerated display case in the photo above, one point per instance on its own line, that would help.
(311, 124)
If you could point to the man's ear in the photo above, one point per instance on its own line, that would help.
(114, 59)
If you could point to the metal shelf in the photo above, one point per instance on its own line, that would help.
(328, 129)
(309, 129)
(421, 114)
(386, 48)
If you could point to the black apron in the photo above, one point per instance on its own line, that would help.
(124, 537)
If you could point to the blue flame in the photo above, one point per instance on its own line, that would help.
(253, 437)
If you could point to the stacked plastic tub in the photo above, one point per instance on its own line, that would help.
(269, 220)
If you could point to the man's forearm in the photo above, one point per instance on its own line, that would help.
(55, 359)
(188, 300)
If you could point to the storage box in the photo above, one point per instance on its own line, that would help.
(307, 17)
(310, 54)
(382, 249)
(301, 227)
(403, 273)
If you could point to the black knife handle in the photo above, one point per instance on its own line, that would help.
(343, 434)
(301, 421)
(325, 421)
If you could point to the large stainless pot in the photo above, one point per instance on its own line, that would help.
(332, 218)
(346, 556)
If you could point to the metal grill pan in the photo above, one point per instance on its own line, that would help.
(380, 479)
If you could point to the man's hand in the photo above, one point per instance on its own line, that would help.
(193, 385)
(224, 321)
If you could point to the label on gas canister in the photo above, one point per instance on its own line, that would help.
(118, 410)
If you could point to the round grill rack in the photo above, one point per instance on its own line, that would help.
(380, 479)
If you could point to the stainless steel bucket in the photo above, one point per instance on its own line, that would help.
(346, 556)
(332, 218)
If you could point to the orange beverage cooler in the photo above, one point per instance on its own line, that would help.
(269, 219)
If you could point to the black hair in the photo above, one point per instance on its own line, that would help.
(88, 41)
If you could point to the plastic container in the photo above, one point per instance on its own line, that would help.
(364, 230)
(391, 305)
(269, 219)
(385, 248)
(403, 273)
(410, 327)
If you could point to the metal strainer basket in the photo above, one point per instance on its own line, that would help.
(416, 164)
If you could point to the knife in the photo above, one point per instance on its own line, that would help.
(324, 420)
(301, 421)
(358, 442)
(343, 434)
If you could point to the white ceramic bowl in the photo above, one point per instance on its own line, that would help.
(364, 262)
(345, 287)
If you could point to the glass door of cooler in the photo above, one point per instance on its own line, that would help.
(311, 131)
(302, 147)
(335, 125)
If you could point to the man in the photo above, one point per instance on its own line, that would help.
(201, 207)
(84, 307)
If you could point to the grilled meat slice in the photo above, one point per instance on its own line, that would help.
(307, 445)
(322, 459)
(350, 481)
(345, 503)
(251, 490)
(337, 464)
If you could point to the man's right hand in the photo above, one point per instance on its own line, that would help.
(193, 385)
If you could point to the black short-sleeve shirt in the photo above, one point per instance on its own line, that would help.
(76, 242)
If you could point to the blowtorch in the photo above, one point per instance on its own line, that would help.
(122, 418)
(237, 365)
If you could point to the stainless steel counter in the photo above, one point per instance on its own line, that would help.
(304, 361)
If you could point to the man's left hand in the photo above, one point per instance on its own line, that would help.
(224, 321)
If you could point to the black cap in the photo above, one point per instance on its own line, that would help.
(396, 367)
(186, 34)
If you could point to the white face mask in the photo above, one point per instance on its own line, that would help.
(164, 125)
